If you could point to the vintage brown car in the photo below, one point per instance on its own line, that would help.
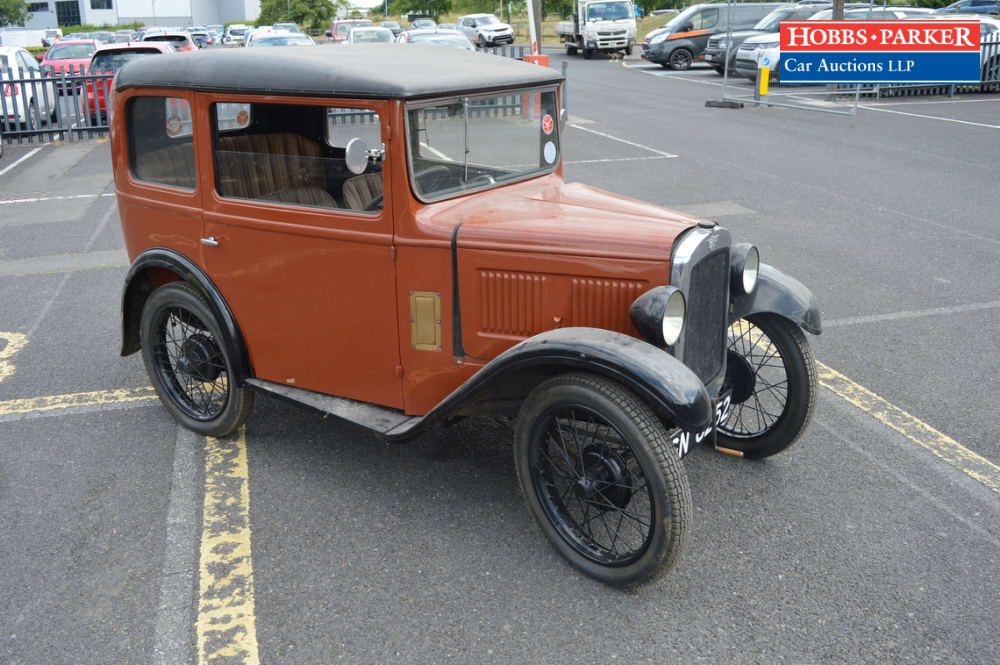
(386, 236)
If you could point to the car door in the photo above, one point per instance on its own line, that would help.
(467, 27)
(301, 248)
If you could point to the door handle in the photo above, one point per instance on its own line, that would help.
(210, 241)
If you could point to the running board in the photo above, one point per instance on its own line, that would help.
(392, 423)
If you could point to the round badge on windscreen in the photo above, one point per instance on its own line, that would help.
(547, 124)
(550, 152)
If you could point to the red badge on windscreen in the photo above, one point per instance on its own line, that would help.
(547, 124)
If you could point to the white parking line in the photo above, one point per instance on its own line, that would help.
(935, 101)
(617, 159)
(930, 117)
(23, 157)
(911, 314)
(621, 140)
(52, 198)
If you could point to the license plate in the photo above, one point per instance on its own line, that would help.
(683, 439)
(709, 57)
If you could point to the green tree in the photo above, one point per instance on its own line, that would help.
(13, 12)
(432, 8)
(305, 13)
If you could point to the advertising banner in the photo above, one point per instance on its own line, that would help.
(880, 51)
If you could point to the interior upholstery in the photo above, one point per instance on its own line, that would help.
(173, 165)
(272, 167)
(360, 190)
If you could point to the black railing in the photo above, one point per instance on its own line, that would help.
(43, 106)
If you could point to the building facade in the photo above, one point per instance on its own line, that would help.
(52, 13)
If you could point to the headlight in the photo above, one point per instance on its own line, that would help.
(658, 315)
(744, 262)
(723, 43)
(659, 38)
(768, 45)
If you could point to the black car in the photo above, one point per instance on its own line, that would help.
(392, 25)
(683, 39)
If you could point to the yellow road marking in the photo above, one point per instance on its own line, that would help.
(914, 429)
(14, 343)
(93, 398)
(226, 625)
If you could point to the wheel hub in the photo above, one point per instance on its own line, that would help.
(740, 377)
(196, 354)
(607, 474)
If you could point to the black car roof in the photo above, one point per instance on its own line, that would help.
(370, 71)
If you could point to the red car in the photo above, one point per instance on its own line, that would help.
(181, 41)
(109, 59)
(69, 56)
(340, 29)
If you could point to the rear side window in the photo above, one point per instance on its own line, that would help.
(161, 149)
(705, 19)
(290, 154)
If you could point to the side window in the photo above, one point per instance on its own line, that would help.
(283, 153)
(705, 19)
(161, 149)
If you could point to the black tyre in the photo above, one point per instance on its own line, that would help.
(32, 119)
(588, 54)
(681, 59)
(601, 479)
(187, 363)
(719, 70)
(772, 373)
(481, 41)
(628, 50)
(570, 50)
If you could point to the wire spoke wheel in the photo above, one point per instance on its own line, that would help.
(187, 360)
(601, 478)
(592, 486)
(771, 371)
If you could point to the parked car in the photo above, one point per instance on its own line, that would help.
(718, 44)
(766, 45)
(52, 35)
(436, 37)
(971, 7)
(288, 27)
(370, 36)
(448, 26)
(399, 280)
(281, 39)
(234, 34)
(683, 39)
(181, 41)
(394, 26)
(69, 56)
(339, 29)
(485, 30)
(109, 59)
(30, 104)
(102, 36)
(201, 38)
(118, 39)
(217, 31)
(422, 24)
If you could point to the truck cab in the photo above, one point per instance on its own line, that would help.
(607, 26)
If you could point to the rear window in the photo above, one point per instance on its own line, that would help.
(70, 52)
(173, 39)
(161, 149)
(115, 60)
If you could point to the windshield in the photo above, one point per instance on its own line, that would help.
(291, 40)
(364, 35)
(442, 39)
(489, 19)
(112, 61)
(609, 11)
(462, 145)
(237, 32)
(682, 17)
(424, 23)
(770, 22)
(70, 51)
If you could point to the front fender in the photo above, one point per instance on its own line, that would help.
(670, 388)
(778, 293)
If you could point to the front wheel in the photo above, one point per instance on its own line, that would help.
(601, 479)
(570, 50)
(772, 373)
(588, 54)
(681, 59)
(190, 367)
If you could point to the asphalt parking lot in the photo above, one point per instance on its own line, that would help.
(874, 539)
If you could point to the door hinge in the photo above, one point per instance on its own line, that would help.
(388, 132)
(392, 252)
(399, 371)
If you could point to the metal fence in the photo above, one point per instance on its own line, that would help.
(44, 107)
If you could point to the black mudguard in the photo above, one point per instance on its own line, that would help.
(670, 388)
(137, 290)
(778, 293)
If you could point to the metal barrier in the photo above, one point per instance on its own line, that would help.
(516, 52)
(43, 107)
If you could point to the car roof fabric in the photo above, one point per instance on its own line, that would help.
(371, 71)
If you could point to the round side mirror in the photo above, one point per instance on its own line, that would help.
(356, 156)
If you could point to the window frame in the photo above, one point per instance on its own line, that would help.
(162, 95)
(422, 103)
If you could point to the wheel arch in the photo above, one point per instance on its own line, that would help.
(158, 266)
(674, 393)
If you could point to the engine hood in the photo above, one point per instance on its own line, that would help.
(550, 216)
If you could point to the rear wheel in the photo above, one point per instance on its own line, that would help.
(570, 49)
(188, 363)
(601, 479)
(772, 373)
(681, 59)
(588, 53)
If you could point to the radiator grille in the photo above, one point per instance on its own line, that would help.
(604, 303)
(705, 328)
(511, 302)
